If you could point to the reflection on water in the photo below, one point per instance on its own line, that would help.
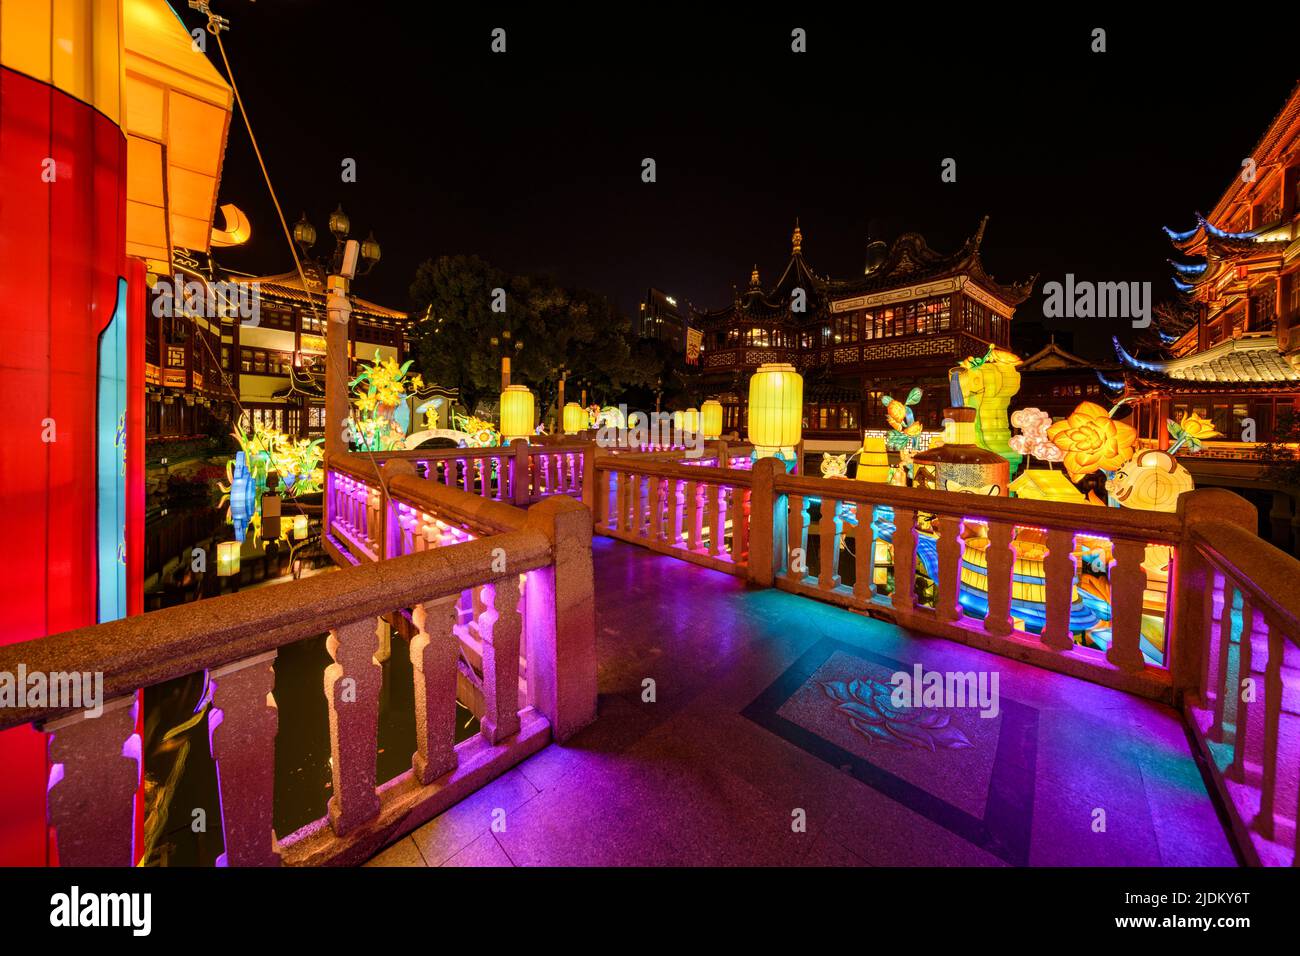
(183, 822)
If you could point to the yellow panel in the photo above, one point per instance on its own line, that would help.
(190, 232)
(190, 194)
(195, 134)
(144, 107)
(159, 45)
(25, 37)
(145, 225)
(71, 50)
(144, 172)
(107, 37)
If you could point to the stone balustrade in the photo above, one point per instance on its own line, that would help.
(523, 575)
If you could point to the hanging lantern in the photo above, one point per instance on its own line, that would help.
(690, 421)
(517, 414)
(575, 418)
(227, 558)
(775, 410)
(711, 418)
(299, 527)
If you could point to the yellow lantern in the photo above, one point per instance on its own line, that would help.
(299, 527)
(775, 409)
(873, 460)
(711, 418)
(227, 558)
(575, 418)
(690, 420)
(517, 414)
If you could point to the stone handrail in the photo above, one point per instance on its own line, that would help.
(534, 578)
(1243, 611)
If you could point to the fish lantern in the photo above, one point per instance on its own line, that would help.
(1151, 480)
(988, 383)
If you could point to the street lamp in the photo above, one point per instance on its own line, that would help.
(304, 234)
(502, 343)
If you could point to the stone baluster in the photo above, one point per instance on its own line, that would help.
(797, 538)
(1128, 580)
(740, 504)
(1237, 769)
(1059, 570)
(831, 533)
(712, 514)
(675, 505)
(904, 597)
(95, 772)
(352, 686)
(434, 651)
(1001, 562)
(500, 626)
(950, 548)
(242, 727)
(656, 527)
(1265, 821)
(691, 505)
(864, 554)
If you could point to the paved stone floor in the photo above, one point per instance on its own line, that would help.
(765, 716)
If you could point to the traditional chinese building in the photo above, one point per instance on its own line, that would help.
(1056, 381)
(911, 317)
(1232, 344)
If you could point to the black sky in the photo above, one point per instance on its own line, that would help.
(532, 159)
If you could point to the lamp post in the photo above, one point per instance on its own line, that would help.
(342, 269)
(505, 343)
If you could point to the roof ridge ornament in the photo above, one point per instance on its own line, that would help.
(796, 240)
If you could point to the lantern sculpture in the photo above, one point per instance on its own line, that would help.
(575, 418)
(227, 558)
(517, 413)
(987, 383)
(960, 464)
(690, 421)
(300, 527)
(873, 459)
(775, 411)
(711, 418)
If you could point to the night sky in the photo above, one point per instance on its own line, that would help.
(532, 159)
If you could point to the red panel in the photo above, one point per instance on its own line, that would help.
(61, 251)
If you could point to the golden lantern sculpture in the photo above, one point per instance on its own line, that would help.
(517, 413)
(775, 410)
(711, 418)
(575, 418)
(227, 558)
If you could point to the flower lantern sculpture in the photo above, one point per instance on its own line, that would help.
(379, 390)
(1092, 441)
(299, 465)
(1189, 432)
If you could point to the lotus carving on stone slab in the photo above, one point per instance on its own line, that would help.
(869, 707)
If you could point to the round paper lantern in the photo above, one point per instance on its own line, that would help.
(775, 409)
(575, 418)
(517, 412)
(711, 418)
(227, 558)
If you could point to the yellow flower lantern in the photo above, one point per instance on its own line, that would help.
(227, 558)
(775, 409)
(575, 418)
(1092, 440)
(711, 418)
(517, 413)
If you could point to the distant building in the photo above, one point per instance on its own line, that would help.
(660, 318)
(912, 316)
(1056, 381)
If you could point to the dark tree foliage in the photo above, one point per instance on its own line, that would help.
(559, 327)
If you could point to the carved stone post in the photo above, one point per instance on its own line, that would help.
(433, 658)
(500, 627)
(91, 796)
(241, 735)
(352, 685)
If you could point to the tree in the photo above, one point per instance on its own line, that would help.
(576, 329)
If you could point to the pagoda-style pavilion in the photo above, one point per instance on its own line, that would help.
(913, 315)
